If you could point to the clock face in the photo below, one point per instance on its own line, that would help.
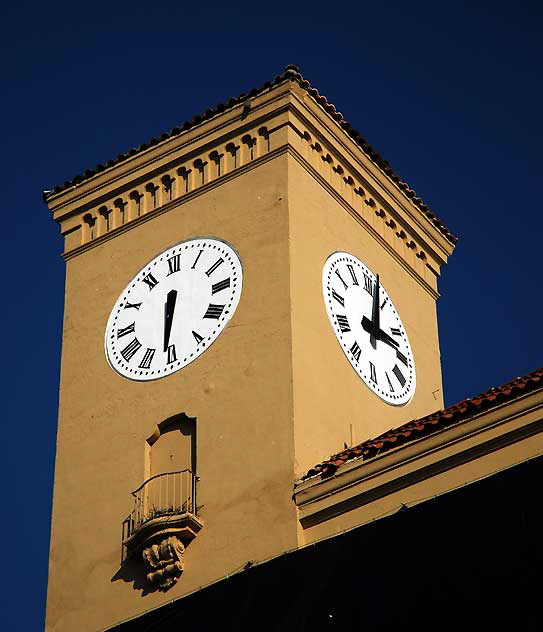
(173, 309)
(368, 328)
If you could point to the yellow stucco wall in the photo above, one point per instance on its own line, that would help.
(240, 391)
(332, 405)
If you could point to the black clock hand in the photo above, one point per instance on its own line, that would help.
(379, 334)
(169, 308)
(375, 314)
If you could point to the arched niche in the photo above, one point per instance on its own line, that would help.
(172, 446)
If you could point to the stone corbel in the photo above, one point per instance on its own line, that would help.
(165, 561)
(161, 543)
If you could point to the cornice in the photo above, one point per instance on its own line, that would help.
(361, 482)
(173, 204)
(356, 215)
(290, 80)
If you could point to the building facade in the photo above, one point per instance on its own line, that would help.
(246, 294)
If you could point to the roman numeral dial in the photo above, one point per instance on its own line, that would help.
(368, 327)
(174, 309)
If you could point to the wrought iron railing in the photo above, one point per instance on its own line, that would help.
(168, 494)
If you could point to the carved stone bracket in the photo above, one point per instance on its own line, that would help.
(161, 543)
(165, 561)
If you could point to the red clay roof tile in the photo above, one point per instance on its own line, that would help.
(435, 422)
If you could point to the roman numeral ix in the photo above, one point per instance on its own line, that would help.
(343, 323)
(356, 351)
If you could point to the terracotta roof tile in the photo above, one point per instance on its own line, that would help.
(418, 428)
(291, 73)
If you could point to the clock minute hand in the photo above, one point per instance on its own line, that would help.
(169, 308)
(375, 315)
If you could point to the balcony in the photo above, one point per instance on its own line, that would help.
(162, 523)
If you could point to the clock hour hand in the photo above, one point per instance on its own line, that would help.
(169, 308)
(375, 314)
(379, 334)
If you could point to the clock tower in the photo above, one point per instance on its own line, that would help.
(248, 292)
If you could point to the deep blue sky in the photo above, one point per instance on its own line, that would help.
(449, 93)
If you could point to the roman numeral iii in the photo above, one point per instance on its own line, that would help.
(214, 311)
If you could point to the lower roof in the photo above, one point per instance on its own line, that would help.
(435, 422)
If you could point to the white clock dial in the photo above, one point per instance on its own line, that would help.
(173, 309)
(368, 328)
